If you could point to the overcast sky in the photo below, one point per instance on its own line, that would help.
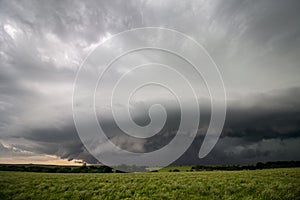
(255, 44)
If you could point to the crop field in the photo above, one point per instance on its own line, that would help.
(246, 184)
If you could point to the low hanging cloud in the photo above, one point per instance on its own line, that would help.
(258, 131)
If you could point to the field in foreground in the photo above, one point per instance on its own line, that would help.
(256, 184)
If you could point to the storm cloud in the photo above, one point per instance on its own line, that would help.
(256, 46)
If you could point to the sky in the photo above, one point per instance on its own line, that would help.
(255, 44)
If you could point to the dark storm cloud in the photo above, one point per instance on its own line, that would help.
(275, 115)
(62, 142)
(265, 129)
(258, 128)
(256, 45)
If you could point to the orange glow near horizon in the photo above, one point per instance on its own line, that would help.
(39, 159)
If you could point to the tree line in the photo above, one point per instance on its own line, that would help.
(106, 169)
(259, 165)
(55, 168)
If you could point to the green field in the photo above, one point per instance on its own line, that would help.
(246, 184)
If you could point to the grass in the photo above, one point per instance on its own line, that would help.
(256, 184)
(172, 168)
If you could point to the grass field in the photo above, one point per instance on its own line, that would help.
(256, 184)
